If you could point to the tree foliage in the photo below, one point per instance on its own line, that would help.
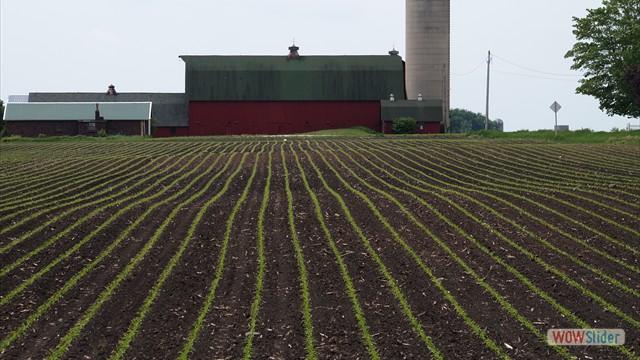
(632, 76)
(3, 126)
(608, 51)
(404, 125)
(465, 121)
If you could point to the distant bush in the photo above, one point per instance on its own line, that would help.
(102, 133)
(404, 125)
(465, 121)
(12, 138)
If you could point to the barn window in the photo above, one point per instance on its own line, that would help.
(91, 127)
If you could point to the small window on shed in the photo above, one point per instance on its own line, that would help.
(59, 126)
(91, 127)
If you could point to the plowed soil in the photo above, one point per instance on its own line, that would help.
(461, 249)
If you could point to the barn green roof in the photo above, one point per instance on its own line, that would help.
(273, 78)
(76, 111)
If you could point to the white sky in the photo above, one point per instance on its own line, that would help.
(72, 45)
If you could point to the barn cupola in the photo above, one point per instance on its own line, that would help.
(112, 90)
(394, 52)
(293, 52)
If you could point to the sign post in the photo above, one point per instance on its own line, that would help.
(555, 107)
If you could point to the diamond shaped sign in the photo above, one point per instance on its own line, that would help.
(555, 107)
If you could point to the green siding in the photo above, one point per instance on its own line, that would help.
(421, 111)
(76, 111)
(259, 78)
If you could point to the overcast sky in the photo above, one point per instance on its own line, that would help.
(77, 46)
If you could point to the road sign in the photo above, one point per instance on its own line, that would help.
(556, 107)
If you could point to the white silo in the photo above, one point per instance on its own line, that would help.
(428, 51)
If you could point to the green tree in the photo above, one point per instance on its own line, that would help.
(465, 121)
(3, 126)
(404, 125)
(607, 50)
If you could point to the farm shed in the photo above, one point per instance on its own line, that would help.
(169, 111)
(55, 119)
(427, 114)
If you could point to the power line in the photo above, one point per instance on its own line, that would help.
(472, 71)
(534, 70)
(534, 76)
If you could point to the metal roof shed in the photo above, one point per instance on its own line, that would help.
(76, 111)
(427, 113)
(120, 118)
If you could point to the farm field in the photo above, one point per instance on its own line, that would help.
(317, 248)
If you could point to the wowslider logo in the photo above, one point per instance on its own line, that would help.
(593, 337)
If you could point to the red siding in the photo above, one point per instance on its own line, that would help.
(71, 128)
(48, 128)
(430, 128)
(280, 117)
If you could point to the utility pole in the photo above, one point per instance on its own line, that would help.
(486, 118)
(445, 98)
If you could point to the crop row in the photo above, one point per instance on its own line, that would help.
(380, 248)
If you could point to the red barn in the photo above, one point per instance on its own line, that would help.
(233, 95)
